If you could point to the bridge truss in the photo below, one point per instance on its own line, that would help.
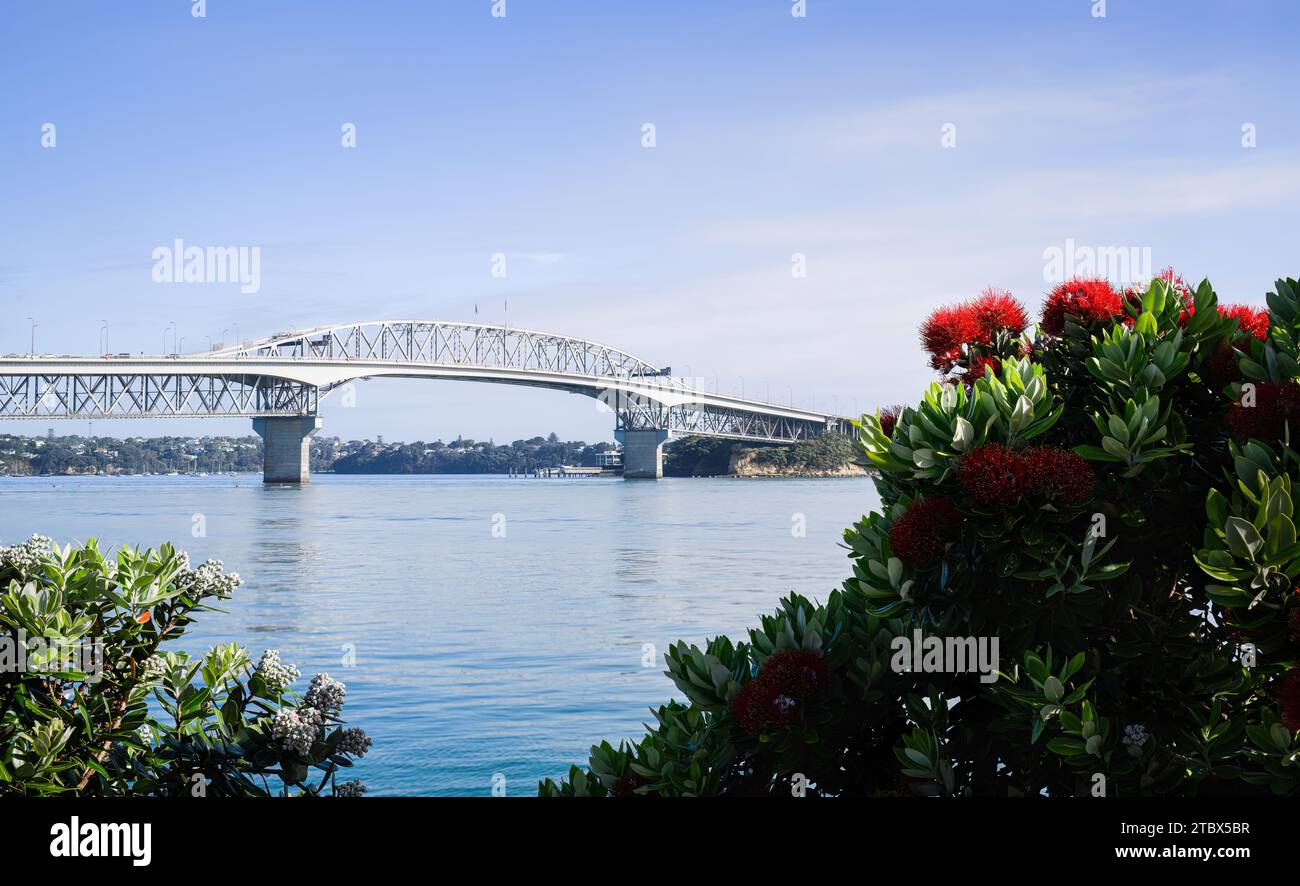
(153, 396)
(635, 413)
(449, 344)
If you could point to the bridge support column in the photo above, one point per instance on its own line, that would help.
(643, 453)
(286, 447)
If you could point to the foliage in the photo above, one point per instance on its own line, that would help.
(91, 704)
(1111, 497)
(463, 457)
(74, 454)
(709, 457)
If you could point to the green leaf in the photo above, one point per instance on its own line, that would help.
(1243, 539)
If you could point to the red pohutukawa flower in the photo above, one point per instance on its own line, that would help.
(889, 419)
(1088, 300)
(1275, 407)
(997, 477)
(1288, 696)
(924, 530)
(1252, 321)
(995, 310)
(976, 369)
(1059, 473)
(945, 331)
(993, 475)
(788, 680)
(976, 322)
(796, 673)
(626, 785)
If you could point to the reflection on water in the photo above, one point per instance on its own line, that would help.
(475, 653)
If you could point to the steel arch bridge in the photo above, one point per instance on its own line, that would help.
(287, 375)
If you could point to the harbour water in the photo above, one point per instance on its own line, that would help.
(499, 626)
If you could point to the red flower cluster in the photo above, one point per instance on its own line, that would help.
(993, 475)
(924, 529)
(998, 477)
(626, 785)
(1288, 696)
(788, 680)
(889, 419)
(1220, 368)
(1059, 473)
(1088, 300)
(1252, 321)
(1276, 405)
(945, 331)
(975, 371)
(975, 322)
(997, 309)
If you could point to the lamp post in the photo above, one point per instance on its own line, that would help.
(103, 336)
(32, 352)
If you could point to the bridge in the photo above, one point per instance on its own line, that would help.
(280, 381)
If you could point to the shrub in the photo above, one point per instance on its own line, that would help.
(1109, 497)
(91, 704)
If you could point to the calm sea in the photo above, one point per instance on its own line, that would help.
(499, 625)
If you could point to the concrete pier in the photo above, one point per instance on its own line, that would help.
(286, 447)
(643, 453)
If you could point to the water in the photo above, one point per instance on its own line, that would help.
(475, 654)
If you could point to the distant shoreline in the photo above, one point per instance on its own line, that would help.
(762, 475)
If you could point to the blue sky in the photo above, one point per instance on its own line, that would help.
(522, 135)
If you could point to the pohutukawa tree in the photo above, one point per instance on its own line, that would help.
(1109, 495)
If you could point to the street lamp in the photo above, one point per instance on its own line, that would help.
(180, 345)
(32, 352)
(103, 336)
(172, 327)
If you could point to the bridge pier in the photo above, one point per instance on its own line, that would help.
(643, 453)
(286, 447)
